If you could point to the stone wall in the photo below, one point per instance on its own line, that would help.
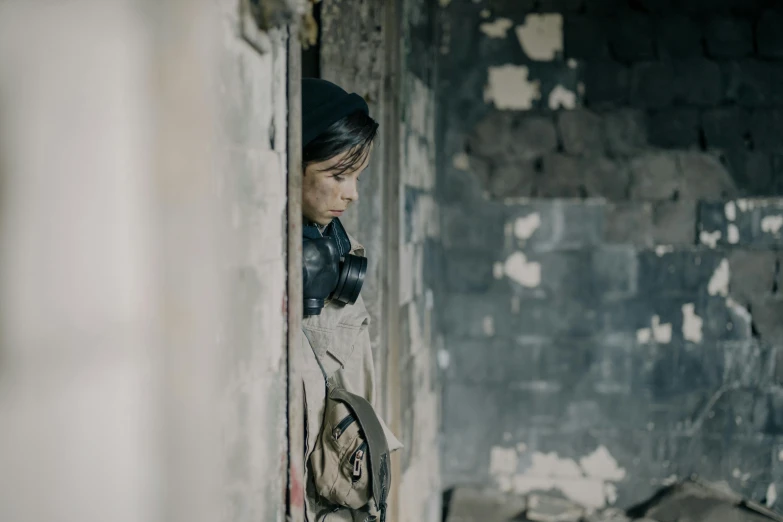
(609, 174)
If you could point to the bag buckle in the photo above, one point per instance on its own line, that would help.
(357, 463)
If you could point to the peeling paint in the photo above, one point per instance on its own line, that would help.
(541, 36)
(719, 282)
(523, 272)
(732, 234)
(691, 323)
(525, 227)
(731, 211)
(502, 461)
(560, 97)
(498, 271)
(521, 447)
(498, 28)
(588, 482)
(444, 359)
(780, 456)
(661, 250)
(772, 495)
(772, 224)
(662, 333)
(739, 310)
(509, 87)
(572, 63)
(488, 324)
(444, 3)
(461, 161)
(710, 238)
(485, 13)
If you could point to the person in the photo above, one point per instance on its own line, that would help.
(337, 139)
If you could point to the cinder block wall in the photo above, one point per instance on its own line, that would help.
(610, 177)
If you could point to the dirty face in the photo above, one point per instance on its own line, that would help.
(328, 191)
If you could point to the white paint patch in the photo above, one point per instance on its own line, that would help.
(461, 161)
(444, 359)
(523, 272)
(670, 480)
(731, 211)
(485, 13)
(660, 250)
(587, 483)
(444, 3)
(691, 323)
(572, 63)
(521, 447)
(772, 495)
(719, 282)
(541, 36)
(780, 456)
(509, 87)
(498, 270)
(739, 310)
(732, 233)
(502, 461)
(489, 326)
(662, 333)
(743, 205)
(562, 98)
(497, 29)
(601, 464)
(710, 238)
(524, 227)
(429, 299)
(772, 224)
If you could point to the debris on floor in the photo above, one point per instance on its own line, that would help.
(686, 501)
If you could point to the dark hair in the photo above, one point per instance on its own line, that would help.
(354, 133)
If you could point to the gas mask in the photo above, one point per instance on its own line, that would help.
(328, 270)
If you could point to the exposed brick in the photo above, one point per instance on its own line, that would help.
(767, 129)
(698, 82)
(615, 272)
(726, 127)
(652, 85)
(584, 38)
(585, 230)
(729, 37)
(606, 82)
(752, 274)
(631, 37)
(705, 177)
(679, 37)
(674, 128)
(769, 36)
(561, 177)
(629, 223)
(462, 228)
(580, 132)
(606, 178)
(512, 180)
(625, 131)
(748, 83)
(753, 172)
(674, 222)
(469, 269)
(504, 136)
(767, 313)
(654, 175)
(775, 187)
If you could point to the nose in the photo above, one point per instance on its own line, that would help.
(351, 193)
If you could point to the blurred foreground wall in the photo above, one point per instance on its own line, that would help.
(142, 277)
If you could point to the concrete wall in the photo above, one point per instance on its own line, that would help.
(419, 257)
(142, 271)
(609, 175)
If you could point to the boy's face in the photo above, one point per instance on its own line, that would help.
(326, 192)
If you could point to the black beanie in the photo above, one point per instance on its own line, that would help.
(323, 104)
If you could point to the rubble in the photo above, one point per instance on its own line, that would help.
(691, 500)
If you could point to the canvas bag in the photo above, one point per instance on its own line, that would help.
(351, 460)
